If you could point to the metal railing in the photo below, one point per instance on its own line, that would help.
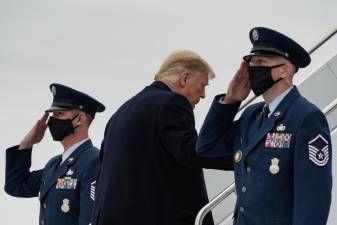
(334, 133)
(231, 188)
(213, 203)
(330, 108)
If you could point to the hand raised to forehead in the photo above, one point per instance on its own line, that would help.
(238, 88)
(36, 134)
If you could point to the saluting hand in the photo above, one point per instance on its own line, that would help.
(36, 134)
(238, 88)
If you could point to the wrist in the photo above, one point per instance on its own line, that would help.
(228, 100)
(24, 146)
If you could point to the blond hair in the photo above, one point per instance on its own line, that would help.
(180, 60)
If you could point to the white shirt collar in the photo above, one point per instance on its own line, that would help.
(70, 150)
(273, 105)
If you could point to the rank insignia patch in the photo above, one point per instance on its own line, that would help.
(278, 140)
(319, 150)
(92, 190)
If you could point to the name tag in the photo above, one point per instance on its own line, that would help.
(278, 140)
(66, 183)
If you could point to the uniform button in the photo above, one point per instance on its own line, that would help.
(244, 189)
(42, 222)
(44, 205)
(242, 209)
(248, 169)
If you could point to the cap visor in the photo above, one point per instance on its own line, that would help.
(248, 58)
(56, 108)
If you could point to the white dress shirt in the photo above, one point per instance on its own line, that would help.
(70, 150)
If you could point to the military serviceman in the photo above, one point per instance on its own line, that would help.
(281, 147)
(66, 185)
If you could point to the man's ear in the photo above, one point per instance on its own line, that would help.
(286, 70)
(183, 78)
(81, 118)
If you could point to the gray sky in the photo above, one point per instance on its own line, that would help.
(112, 49)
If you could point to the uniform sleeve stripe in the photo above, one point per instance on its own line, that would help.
(313, 148)
(319, 163)
(312, 155)
(326, 153)
(319, 136)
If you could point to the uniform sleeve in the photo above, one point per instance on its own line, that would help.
(178, 136)
(217, 134)
(19, 181)
(312, 171)
(88, 191)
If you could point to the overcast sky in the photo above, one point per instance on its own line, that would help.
(111, 49)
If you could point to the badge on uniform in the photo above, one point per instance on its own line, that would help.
(65, 205)
(66, 183)
(277, 113)
(278, 140)
(70, 172)
(319, 150)
(255, 35)
(274, 167)
(53, 90)
(238, 156)
(280, 127)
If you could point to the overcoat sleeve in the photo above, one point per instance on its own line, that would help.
(179, 136)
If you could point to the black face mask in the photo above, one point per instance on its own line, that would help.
(60, 129)
(260, 78)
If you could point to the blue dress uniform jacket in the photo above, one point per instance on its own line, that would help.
(66, 192)
(282, 169)
(151, 173)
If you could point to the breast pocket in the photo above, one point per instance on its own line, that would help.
(67, 197)
(277, 152)
(277, 161)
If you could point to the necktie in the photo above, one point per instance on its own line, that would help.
(264, 115)
(57, 164)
